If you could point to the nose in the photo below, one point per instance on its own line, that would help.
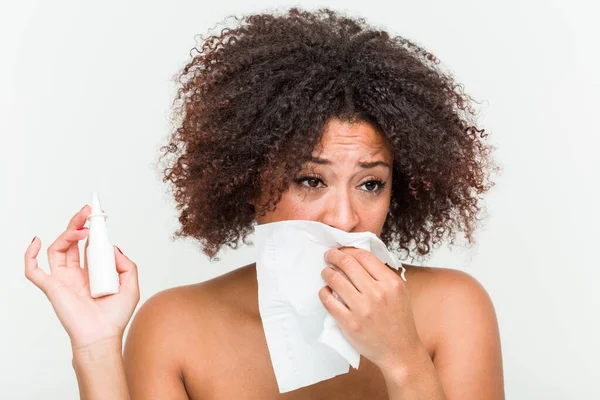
(340, 213)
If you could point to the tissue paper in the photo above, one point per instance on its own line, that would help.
(305, 342)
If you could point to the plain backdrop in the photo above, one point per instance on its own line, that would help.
(85, 97)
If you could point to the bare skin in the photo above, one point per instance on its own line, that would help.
(205, 341)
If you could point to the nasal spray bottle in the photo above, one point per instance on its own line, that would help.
(102, 269)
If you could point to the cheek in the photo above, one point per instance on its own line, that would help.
(291, 206)
(374, 216)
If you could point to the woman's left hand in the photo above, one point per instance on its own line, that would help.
(377, 316)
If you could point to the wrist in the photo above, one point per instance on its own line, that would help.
(415, 378)
(101, 349)
(406, 368)
(100, 370)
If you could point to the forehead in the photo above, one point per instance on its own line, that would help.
(353, 137)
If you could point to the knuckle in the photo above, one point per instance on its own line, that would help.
(362, 255)
(346, 260)
(354, 326)
(336, 277)
(396, 285)
(328, 302)
(366, 311)
(323, 293)
(333, 277)
(377, 297)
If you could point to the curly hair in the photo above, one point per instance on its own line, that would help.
(252, 106)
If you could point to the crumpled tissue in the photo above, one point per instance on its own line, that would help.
(305, 342)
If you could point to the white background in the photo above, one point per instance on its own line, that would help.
(85, 96)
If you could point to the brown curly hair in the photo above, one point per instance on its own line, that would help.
(252, 105)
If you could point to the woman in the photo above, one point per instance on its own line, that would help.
(306, 116)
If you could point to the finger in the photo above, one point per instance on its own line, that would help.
(370, 264)
(128, 273)
(32, 270)
(337, 310)
(72, 253)
(346, 262)
(84, 270)
(340, 285)
(80, 218)
(57, 252)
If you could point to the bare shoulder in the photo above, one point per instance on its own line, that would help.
(169, 333)
(445, 284)
(462, 318)
(174, 316)
(451, 298)
(156, 343)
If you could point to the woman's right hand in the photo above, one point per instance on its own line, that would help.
(87, 320)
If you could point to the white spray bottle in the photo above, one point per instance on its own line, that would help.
(102, 268)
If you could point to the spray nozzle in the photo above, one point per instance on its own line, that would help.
(96, 208)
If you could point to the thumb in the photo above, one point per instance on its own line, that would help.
(127, 269)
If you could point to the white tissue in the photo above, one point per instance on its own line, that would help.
(305, 342)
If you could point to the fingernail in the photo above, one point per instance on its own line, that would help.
(82, 208)
(81, 228)
(119, 249)
(33, 239)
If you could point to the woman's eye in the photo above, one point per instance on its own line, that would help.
(313, 182)
(374, 185)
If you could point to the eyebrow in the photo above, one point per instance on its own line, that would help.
(363, 164)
